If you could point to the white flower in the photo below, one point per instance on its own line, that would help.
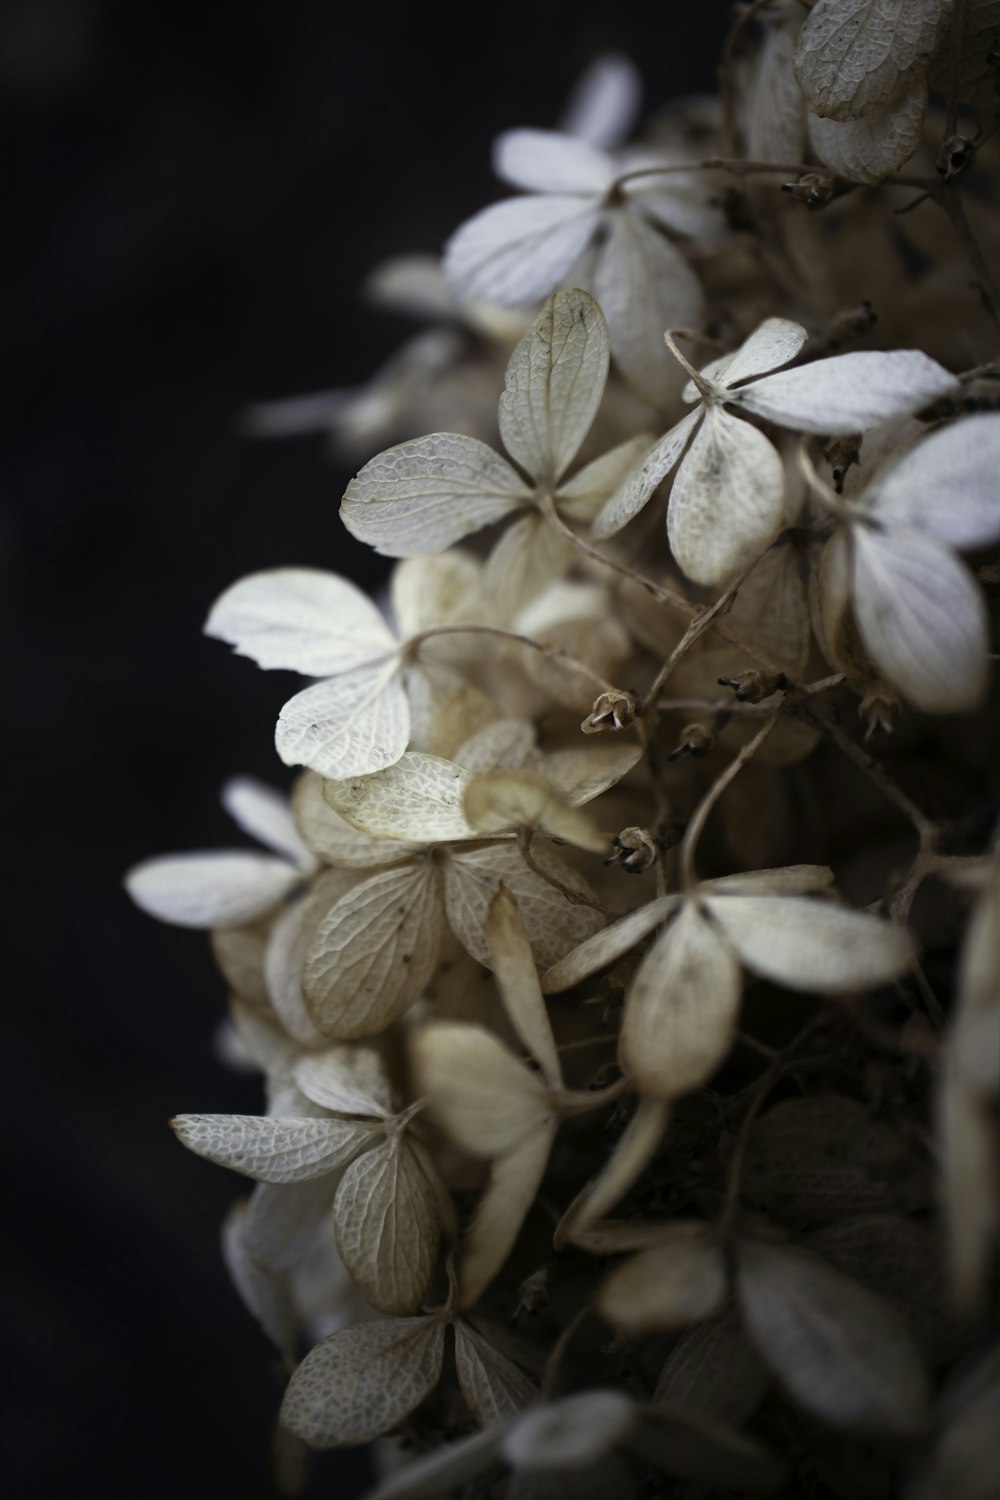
(918, 611)
(728, 496)
(577, 206)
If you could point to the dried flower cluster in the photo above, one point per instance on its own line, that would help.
(608, 1149)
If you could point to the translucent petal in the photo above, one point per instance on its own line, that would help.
(727, 500)
(682, 1008)
(266, 814)
(216, 889)
(351, 725)
(921, 618)
(774, 343)
(302, 620)
(605, 101)
(637, 490)
(815, 946)
(547, 161)
(515, 252)
(849, 392)
(419, 799)
(423, 495)
(554, 383)
(855, 57)
(870, 148)
(946, 484)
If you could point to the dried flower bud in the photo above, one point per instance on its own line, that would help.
(956, 156)
(635, 850)
(614, 710)
(879, 708)
(696, 739)
(533, 1293)
(814, 189)
(840, 454)
(754, 687)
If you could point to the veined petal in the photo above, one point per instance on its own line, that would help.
(945, 484)
(426, 494)
(554, 384)
(515, 252)
(921, 618)
(848, 392)
(869, 148)
(350, 725)
(645, 285)
(266, 814)
(773, 344)
(302, 620)
(727, 500)
(630, 499)
(547, 161)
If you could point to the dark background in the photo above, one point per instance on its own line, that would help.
(194, 192)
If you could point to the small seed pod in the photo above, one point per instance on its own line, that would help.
(635, 850)
(614, 710)
(753, 687)
(956, 156)
(814, 189)
(696, 739)
(840, 454)
(852, 323)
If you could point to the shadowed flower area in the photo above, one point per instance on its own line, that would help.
(198, 193)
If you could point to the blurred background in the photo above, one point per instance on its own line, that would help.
(197, 192)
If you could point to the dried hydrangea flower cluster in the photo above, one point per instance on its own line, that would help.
(607, 1149)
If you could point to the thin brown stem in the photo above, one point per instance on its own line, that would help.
(694, 829)
(554, 653)
(574, 897)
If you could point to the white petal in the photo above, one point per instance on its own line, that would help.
(681, 1011)
(512, 1189)
(847, 393)
(854, 57)
(645, 285)
(349, 1080)
(492, 1385)
(582, 775)
(216, 889)
(843, 1353)
(605, 101)
(517, 979)
(608, 945)
(485, 1098)
(921, 618)
(266, 1294)
(728, 499)
(349, 725)
(332, 838)
(504, 745)
(679, 1281)
(300, 619)
(868, 149)
(423, 495)
(788, 880)
(515, 252)
(375, 952)
(637, 490)
(275, 1151)
(554, 925)
(546, 161)
(773, 344)
(362, 1381)
(814, 946)
(418, 799)
(776, 110)
(499, 800)
(946, 484)
(387, 1227)
(571, 1433)
(432, 590)
(581, 497)
(524, 562)
(554, 383)
(266, 814)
